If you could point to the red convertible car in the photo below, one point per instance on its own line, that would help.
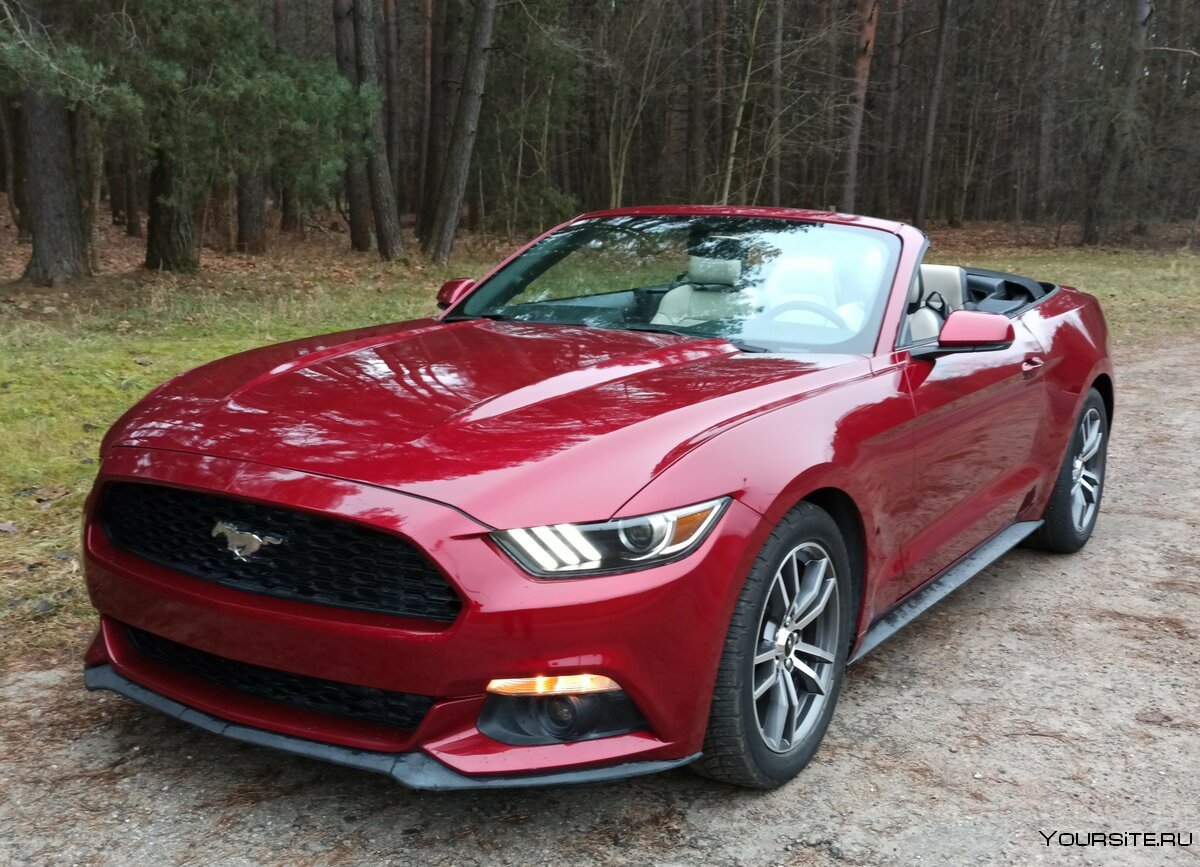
(633, 501)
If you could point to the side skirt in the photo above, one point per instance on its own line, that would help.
(943, 585)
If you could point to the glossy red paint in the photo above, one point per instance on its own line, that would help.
(966, 329)
(453, 291)
(440, 431)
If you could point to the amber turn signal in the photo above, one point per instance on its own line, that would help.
(568, 684)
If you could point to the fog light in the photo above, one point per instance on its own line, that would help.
(569, 684)
(562, 715)
(556, 719)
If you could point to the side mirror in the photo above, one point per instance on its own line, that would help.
(969, 331)
(453, 291)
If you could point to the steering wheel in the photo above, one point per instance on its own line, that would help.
(827, 313)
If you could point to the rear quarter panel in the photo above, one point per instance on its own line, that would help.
(1071, 328)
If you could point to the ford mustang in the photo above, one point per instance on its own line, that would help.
(630, 502)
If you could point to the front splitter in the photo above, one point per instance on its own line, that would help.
(415, 770)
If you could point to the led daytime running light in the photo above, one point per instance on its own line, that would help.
(609, 545)
(567, 684)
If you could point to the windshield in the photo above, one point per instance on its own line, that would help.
(775, 284)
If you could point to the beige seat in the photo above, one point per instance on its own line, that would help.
(707, 295)
(945, 282)
(924, 323)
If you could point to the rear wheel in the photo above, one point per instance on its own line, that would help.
(1075, 502)
(785, 653)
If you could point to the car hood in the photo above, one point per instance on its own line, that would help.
(516, 424)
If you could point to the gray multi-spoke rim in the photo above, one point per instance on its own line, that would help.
(793, 665)
(1087, 471)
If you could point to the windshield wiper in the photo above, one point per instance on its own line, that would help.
(741, 345)
(498, 317)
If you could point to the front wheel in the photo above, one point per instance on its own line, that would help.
(784, 657)
(1075, 502)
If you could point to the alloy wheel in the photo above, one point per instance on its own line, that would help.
(793, 665)
(1087, 470)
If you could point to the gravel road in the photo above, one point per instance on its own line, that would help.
(1050, 694)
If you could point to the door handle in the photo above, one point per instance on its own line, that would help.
(1030, 365)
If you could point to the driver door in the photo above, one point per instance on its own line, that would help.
(974, 441)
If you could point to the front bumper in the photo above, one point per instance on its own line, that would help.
(415, 770)
(658, 633)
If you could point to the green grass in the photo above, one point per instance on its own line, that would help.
(70, 366)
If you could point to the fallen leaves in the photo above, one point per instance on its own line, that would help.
(45, 494)
(1062, 737)
(1153, 716)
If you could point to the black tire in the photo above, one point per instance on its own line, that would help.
(736, 746)
(1062, 532)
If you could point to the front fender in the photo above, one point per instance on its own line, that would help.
(854, 437)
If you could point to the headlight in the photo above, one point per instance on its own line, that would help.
(567, 550)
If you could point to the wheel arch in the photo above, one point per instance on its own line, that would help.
(1103, 383)
(845, 513)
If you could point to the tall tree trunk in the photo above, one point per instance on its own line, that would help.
(435, 110)
(970, 151)
(630, 92)
(1053, 73)
(6, 159)
(357, 197)
(1117, 133)
(890, 146)
(864, 49)
(114, 181)
(169, 235)
(462, 139)
(718, 127)
(832, 12)
(11, 139)
(740, 108)
(379, 174)
(422, 186)
(395, 102)
(133, 198)
(251, 193)
(776, 137)
(289, 205)
(934, 98)
(89, 172)
(697, 109)
(55, 217)
(445, 86)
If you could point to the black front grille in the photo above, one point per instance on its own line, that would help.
(396, 709)
(316, 559)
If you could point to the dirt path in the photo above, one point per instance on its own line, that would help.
(1050, 694)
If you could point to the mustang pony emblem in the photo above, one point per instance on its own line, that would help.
(242, 543)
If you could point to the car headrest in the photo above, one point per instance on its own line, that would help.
(949, 281)
(704, 271)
